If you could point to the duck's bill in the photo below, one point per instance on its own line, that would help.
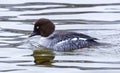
(33, 34)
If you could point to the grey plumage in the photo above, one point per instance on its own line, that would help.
(62, 41)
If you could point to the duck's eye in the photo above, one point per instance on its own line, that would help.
(37, 27)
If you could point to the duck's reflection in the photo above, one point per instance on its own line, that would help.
(43, 57)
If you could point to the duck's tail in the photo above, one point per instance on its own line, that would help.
(95, 43)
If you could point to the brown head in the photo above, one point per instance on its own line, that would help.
(43, 27)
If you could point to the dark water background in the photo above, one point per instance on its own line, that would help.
(99, 19)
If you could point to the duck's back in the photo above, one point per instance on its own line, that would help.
(63, 41)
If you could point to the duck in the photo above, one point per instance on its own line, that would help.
(60, 40)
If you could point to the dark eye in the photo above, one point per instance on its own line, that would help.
(37, 27)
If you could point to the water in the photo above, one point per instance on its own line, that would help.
(96, 18)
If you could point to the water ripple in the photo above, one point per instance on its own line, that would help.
(97, 19)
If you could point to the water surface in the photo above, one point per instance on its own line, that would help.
(100, 19)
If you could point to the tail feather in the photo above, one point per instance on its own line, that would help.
(95, 43)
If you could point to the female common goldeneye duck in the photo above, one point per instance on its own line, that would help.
(60, 40)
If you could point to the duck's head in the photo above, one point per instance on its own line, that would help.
(43, 27)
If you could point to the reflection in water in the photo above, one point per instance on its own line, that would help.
(43, 57)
